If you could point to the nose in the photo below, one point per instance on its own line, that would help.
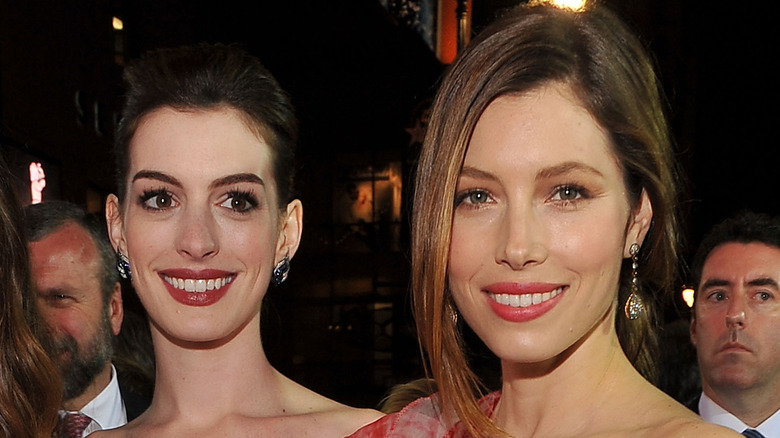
(197, 235)
(522, 238)
(735, 316)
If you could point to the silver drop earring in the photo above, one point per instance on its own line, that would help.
(281, 270)
(123, 266)
(634, 306)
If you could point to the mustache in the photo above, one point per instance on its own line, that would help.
(63, 344)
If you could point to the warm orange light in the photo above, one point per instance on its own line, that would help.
(574, 5)
(687, 295)
(118, 24)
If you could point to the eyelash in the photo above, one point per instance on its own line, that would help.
(231, 196)
(580, 193)
(462, 197)
(148, 195)
(242, 195)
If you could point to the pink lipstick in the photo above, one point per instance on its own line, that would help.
(520, 302)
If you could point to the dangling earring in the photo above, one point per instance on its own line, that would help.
(453, 311)
(281, 270)
(123, 266)
(634, 306)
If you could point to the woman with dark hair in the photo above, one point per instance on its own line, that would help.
(544, 218)
(203, 221)
(30, 389)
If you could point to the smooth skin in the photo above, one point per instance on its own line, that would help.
(541, 206)
(202, 203)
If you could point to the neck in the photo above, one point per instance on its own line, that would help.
(205, 382)
(568, 393)
(99, 383)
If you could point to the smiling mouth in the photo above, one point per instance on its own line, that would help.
(525, 300)
(198, 285)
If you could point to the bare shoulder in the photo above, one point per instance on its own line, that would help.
(336, 418)
(345, 420)
(326, 415)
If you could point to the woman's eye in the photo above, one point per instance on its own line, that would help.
(239, 202)
(157, 200)
(473, 197)
(568, 193)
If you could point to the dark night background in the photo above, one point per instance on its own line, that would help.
(358, 78)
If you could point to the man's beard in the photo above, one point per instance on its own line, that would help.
(79, 368)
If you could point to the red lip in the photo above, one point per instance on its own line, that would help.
(196, 299)
(522, 314)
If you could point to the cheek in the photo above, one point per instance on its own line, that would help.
(68, 321)
(466, 255)
(708, 324)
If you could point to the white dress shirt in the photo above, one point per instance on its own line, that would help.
(711, 412)
(107, 409)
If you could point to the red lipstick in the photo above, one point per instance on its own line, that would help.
(190, 278)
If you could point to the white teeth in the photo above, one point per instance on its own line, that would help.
(524, 300)
(197, 285)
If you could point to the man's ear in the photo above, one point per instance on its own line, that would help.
(639, 223)
(115, 224)
(290, 231)
(116, 309)
(693, 326)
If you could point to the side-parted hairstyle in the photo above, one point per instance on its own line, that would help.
(206, 77)
(45, 218)
(611, 74)
(30, 389)
(743, 227)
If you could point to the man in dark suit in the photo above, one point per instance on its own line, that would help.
(735, 324)
(79, 297)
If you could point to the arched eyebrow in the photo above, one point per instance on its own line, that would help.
(237, 178)
(473, 172)
(567, 167)
(547, 172)
(219, 182)
(159, 176)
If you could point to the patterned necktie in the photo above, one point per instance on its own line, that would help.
(73, 424)
(752, 433)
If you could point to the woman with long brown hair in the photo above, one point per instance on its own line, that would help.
(544, 218)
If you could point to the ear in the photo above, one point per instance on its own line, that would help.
(115, 224)
(290, 232)
(116, 309)
(640, 223)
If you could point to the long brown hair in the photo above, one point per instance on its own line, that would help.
(595, 54)
(30, 388)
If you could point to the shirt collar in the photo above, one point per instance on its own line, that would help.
(711, 412)
(107, 409)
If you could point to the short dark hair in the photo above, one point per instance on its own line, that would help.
(743, 227)
(210, 77)
(41, 220)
